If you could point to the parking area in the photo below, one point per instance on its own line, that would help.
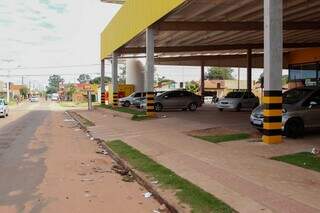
(209, 116)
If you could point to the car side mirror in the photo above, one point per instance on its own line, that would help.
(312, 103)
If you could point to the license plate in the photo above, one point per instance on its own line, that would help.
(257, 122)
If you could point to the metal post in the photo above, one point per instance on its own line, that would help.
(89, 100)
(249, 70)
(238, 78)
(115, 80)
(102, 83)
(273, 45)
(149, 73)
(202, 80)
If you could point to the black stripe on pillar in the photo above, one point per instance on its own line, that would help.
(273, 93)
(272, 119)
(272, 106)
(150, 104)
(272, 132)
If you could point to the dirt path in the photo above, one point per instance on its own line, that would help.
(75, 178)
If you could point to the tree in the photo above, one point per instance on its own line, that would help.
(193, 86)
(70, 90)
(84, 78)
(97, 80)
(54, 81)
(24, 92)
(284, 80)
(219, 73)
(122, 76)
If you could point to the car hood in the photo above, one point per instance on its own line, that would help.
(229, 100)
(259, 109)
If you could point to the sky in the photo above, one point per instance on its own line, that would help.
(38, 34)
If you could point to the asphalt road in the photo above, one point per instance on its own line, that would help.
(19, 177)
(48, 165)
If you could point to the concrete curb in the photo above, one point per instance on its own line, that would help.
(137, 175)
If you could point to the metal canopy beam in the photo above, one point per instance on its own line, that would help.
(231, 26)
(136, 50)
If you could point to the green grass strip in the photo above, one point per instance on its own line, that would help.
(124, 109)
(188, 193)
(303, 159)
(224, 138)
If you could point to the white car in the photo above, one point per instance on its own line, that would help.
(4, 110)
(34, 99)
(238, 100)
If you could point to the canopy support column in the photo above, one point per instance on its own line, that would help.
(115, 80)
(202, 80)
(249, 70)
(149, 73)
(102, 83)
(273, 45)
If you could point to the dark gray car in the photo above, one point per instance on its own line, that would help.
(301, 110)
(177, 99)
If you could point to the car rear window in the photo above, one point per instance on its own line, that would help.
(295, 95)
(234, 95)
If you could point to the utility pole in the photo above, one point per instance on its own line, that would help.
(238, 78)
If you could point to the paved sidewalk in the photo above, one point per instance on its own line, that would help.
(238, 173)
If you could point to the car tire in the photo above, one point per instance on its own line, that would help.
(158, 107)
(238, 108)
(193, 107)
(220, 109)
(294, 128)
(126, 104)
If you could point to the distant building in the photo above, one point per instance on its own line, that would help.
(222, 87)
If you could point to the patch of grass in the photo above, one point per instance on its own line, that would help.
(73, 104)
(136, 114)
(224, 138)
(303, 159)
(198, 199)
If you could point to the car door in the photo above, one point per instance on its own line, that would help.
(185, 99)
(170, 100)
(311, 116)
(245, 103)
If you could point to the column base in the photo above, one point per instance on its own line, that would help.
(272, 139)
(115, 102)
(150, 104)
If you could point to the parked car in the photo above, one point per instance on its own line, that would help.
(238, 100)
(129, 100)
(55, 97)
(176, 99)
(34, 99)
(301, 111)
(4, 110)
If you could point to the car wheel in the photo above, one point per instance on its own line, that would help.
(294, 128)
(192, 107)
(238, 108)
(220, 109)
(158, 107)
(126, 104)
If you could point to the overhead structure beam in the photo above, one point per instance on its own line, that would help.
(231, 26)
(201, 48)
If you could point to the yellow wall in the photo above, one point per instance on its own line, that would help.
(304, 56)
(133, 17)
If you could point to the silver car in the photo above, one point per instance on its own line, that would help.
(130, 100)
(301, 111)
(4, 110)
(238, 100)
(177, 99)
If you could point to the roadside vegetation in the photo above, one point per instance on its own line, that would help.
(82, 119)
(188, 193)
(73, 104)
(224, 138)
(136, 114)
(303, 159)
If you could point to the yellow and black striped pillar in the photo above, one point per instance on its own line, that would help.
(272, 111)
(150, 104)
(103, 98)
(115, 102)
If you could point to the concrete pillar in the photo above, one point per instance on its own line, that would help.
(202, 80)
(102, 84)
(249, 70)
(273, 45)
(149, 73)
(115, 80)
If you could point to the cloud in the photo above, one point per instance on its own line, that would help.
(46, 25)
(58, 8)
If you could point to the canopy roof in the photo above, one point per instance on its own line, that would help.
(191, 31)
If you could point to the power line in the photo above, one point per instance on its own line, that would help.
(51, 67)
(44, 75)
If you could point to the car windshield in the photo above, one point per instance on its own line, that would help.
(295, 95)
(234, 95)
